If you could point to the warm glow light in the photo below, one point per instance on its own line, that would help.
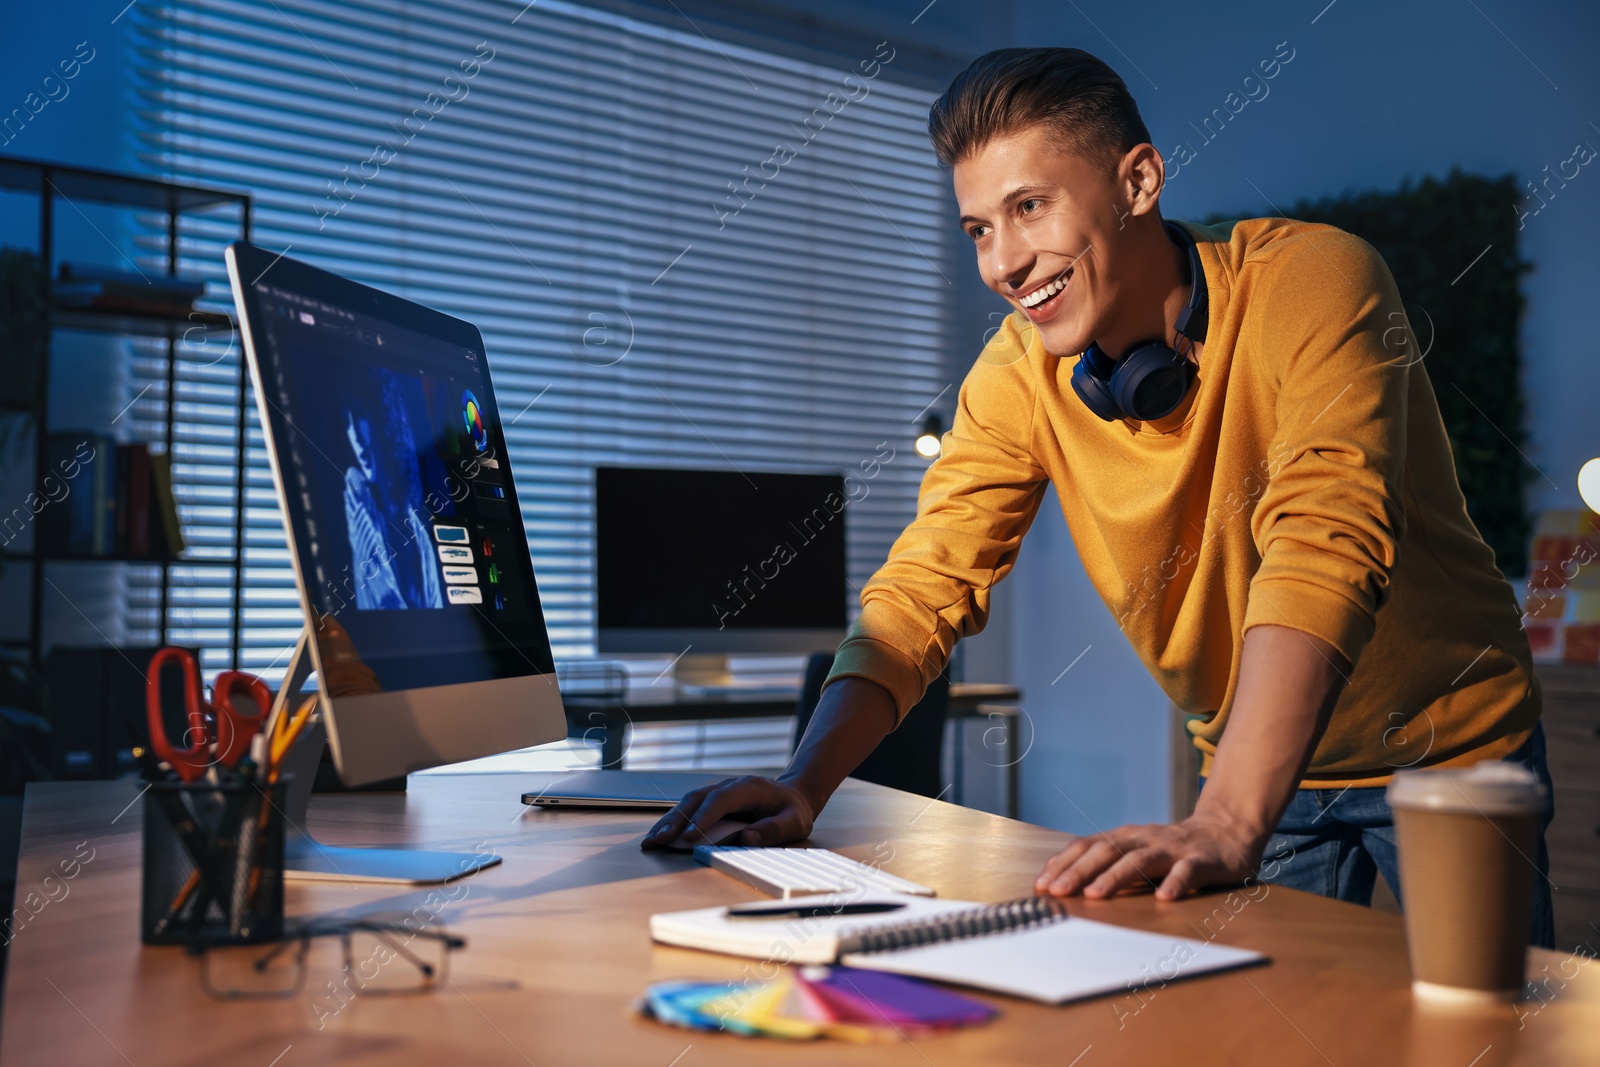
(1589, 484)
(929, 443)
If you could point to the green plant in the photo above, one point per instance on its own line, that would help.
(1451, 244)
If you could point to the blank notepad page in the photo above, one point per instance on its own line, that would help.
(1060, 961)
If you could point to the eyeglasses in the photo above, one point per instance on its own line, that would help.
(381, 958)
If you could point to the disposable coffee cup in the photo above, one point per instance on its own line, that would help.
(1467, 841)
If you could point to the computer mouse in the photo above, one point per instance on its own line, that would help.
(721, 832)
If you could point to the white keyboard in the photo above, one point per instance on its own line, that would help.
(797, 872)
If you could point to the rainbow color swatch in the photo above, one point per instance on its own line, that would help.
(472, 415)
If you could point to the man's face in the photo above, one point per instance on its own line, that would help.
(1044, 223)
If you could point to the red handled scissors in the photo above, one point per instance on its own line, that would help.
(213, 733)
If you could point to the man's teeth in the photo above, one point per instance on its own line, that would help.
(1039, 296)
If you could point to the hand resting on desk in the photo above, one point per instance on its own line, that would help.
(1289, 682)
(1170, 859)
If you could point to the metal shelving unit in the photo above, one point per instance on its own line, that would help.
(52, 182)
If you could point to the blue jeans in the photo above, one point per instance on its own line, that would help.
(1335, 842)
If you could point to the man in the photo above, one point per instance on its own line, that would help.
(1281, 538)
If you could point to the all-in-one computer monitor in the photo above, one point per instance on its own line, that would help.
(404, 532)
(719, 561)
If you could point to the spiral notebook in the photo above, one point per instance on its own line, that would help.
(1025, 948)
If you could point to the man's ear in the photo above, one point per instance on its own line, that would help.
(1140, 177)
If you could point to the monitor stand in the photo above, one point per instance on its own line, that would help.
(710, 669)
(752, 675)
(307, 859)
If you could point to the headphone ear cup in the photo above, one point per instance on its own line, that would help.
(1098, 364)
(1150, 382)
(1093, 392)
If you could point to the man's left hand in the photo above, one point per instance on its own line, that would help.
(1173, 859)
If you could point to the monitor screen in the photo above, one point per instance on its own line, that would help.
(389, 447)
(725, 551)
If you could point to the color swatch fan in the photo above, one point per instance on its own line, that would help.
(815, 1002)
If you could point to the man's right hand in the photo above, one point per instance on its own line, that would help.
(851, 718)
(780, 812)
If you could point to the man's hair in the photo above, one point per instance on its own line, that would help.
(1082, 100)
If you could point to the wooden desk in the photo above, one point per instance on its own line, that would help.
(558, 948)
(611, 718)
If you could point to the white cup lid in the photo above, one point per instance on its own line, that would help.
(1493, 787)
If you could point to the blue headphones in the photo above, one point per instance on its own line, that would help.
(1152, 379)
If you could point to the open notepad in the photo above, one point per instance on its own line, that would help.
(1027, 948)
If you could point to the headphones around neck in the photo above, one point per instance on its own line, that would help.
(1151, 380)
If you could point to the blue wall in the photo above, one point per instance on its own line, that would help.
(89, 125)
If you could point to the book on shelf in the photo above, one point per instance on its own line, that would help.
(133, 499)
(107, 500)
(87, 287)
(165, 504)
(73, 511)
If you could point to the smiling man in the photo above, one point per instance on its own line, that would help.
(1254, 471)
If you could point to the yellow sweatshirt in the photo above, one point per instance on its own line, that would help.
(1306, 481)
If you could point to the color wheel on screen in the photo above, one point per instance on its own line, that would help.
(472, 415)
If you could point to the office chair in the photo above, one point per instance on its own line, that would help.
(910, 757)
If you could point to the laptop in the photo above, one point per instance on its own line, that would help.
(658, 790)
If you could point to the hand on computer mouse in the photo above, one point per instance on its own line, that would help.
(776, 812)
(721, 832)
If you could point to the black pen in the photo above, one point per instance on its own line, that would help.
(810, 911)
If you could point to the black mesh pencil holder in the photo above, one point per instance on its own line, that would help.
(213, 863)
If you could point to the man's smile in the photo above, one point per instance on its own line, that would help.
(1037, 297)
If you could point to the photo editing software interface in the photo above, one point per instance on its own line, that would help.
(399, 492)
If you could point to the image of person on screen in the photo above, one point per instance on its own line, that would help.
(391, 549)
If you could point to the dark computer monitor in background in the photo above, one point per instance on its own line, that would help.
(718, 562)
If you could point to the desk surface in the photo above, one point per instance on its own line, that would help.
(558, 948)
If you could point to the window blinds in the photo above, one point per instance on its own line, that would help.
(680, 251)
